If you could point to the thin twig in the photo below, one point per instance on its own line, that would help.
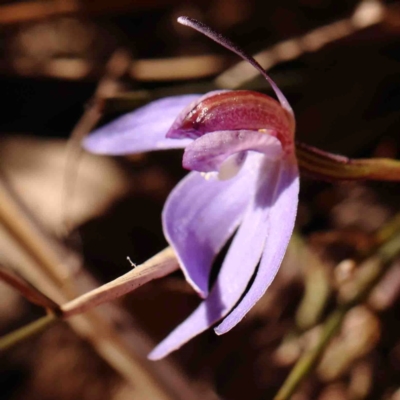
(32, 239)
(47, 269)
(28, 291)
(26, 331)
(29, 11)
(108, 86)
(160, 265)
(367, 13)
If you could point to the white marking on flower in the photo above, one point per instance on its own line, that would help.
(231, 166)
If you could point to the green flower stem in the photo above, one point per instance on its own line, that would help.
(373, 269)
(26, 331)
(328, 166)
(309, 359)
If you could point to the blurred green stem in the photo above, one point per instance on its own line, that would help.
(26, 331)
(371, 272)
(332, 167)
(309, 359)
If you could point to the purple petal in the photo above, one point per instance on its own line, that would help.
(141, 130)
(280, 228)
(200, 216)
(237, 269)
(208, 152)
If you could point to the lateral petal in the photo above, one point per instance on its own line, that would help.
(281, 223)
(236, 271)
(200, 215)
(141, 130)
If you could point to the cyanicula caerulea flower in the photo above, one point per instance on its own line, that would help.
(239, 146)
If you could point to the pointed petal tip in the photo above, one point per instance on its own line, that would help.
(226, 325)
(164, 349)
(98, 144)
(200, 286)
(141, 130)
(218, 332)
(202, 294)
(201, 291)
(156, 355)
(92, 144)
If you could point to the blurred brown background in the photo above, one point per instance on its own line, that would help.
(339, 64)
